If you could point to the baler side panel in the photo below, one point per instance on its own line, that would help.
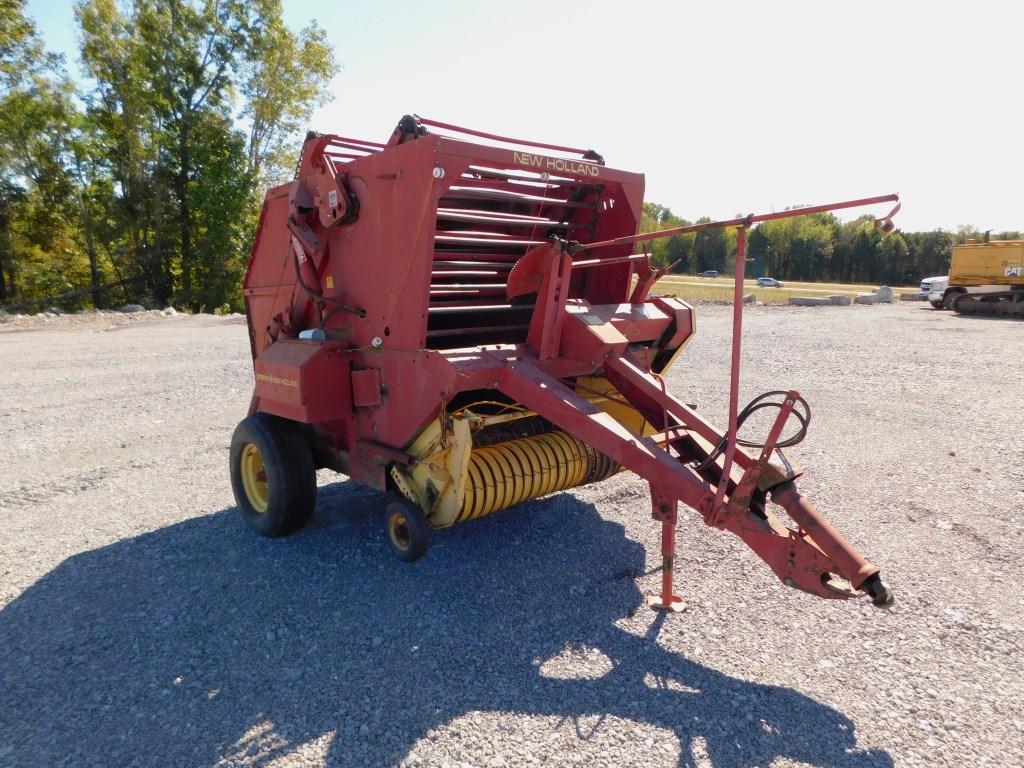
(381, 262)
(412, 387)
(304, 381)
(269, 284)
(621, 210)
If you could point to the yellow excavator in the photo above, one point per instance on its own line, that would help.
(985, 278)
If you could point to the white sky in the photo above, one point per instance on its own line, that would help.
(728, 107)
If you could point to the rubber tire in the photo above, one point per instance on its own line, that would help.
(419, 533)
(291, 475)
(880, 593)
(950, 299)
(939, 305)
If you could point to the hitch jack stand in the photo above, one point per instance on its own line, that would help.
(666, 511)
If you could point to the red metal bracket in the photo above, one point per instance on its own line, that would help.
(665, 510)
(739, 499)
(545, 334)
(743, 221)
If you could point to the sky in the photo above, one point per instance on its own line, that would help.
(728, 107)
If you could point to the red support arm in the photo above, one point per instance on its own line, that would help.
(748, 221)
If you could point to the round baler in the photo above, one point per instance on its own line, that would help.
(459, 320)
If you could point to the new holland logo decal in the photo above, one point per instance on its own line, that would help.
(556, 164)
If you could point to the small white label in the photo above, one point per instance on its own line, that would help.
(332, 198)
(1013, 272)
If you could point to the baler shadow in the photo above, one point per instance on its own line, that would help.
(201, 644)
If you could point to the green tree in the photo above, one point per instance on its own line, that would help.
(169, 77)
(12, 197)
(37, 115)
(710, 248)
(864, 253)
(678, 248)
(188, 54)
(222, 224)
(125, 133)
(758, 250)
(20, 46)
(283, 77)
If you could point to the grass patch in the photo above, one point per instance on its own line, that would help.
(721, 288)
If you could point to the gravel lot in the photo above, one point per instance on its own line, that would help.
(141, 624)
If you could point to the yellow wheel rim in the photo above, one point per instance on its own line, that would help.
(398, 530)
(254, 478)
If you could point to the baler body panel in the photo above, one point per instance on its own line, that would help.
(269, 277)
(441, 223)
(305, 381)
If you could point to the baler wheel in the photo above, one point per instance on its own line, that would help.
(272, 475)
(409, 531)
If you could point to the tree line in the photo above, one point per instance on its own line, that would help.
(148, 174)
(815, 248)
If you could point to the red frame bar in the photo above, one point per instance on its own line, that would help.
(496, 137)
(746, 222)
(739, 273)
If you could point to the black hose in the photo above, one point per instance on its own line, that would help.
(319, 299)
(757, 404)
(752, 407)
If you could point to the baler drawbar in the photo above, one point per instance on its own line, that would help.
(459, 319)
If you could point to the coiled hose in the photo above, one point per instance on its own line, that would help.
(758, 403)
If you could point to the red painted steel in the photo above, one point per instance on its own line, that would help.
(739, 499)
(504, 139)
(734, 365)
(431, 270)
(744, 221)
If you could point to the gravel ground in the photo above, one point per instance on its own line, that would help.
(141, 624)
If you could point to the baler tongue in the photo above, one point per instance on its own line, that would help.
(809, 557)
(688, 460)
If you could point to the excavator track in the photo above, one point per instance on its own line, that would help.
(1004, 304)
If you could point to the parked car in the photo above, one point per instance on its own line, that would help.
(933, 289)
(769, 282)
(708, 273)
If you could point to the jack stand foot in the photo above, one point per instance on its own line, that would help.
(675, 603)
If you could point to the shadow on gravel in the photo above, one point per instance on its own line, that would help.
(200, 643)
